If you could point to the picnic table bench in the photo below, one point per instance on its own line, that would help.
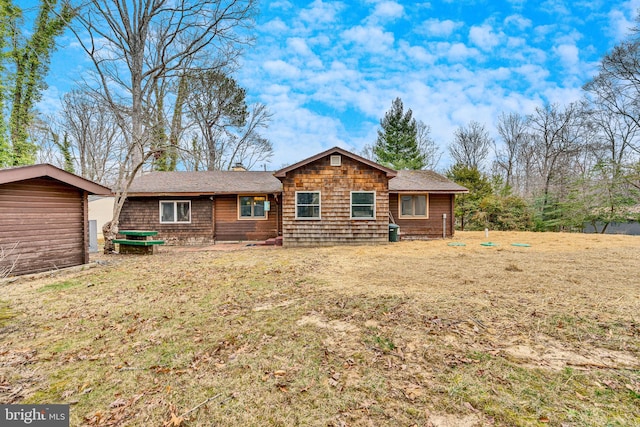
(138, 242)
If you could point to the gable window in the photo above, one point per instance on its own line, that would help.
(307, 205)
(363, 204)
(252, 207)
(413, 206)
(175, 211)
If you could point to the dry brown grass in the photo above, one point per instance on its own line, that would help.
(412, 333)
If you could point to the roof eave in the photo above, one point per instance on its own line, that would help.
(430, 191)
(282, 173)
(47, 170)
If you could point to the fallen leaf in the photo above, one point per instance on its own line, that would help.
(118, 403)
(280, 373)
(543, 419)
(175, 421)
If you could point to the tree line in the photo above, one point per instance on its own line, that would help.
(160, 91)
(558, 168)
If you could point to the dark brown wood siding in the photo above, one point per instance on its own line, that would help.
(143, 213)
(230, 228)
(429, 228)
(45, 217)
(335, 184)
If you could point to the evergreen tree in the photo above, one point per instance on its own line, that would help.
(479, 186)
(397, 144)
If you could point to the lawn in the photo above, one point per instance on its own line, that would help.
(410, 333)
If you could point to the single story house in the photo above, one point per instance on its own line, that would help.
(333, 197)
(44, 213)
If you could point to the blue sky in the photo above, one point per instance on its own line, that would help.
(329, 70)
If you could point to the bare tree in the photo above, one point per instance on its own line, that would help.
(95, 136)
(429, 149)
(135, 43)
(558, 137)
(470, 146)
(512, 128)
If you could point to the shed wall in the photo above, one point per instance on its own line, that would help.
(335, 184)
(47, 220)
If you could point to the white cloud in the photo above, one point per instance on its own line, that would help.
(484, 37)
(320, 12)
(307, 58)
(437, 28)
(274, 27)
(518, 21)
(622, 18)
(417, 54)
(280, 4)
(388, 10)
(281, 69)
(458, 51)
(373, 39)
(568, 54)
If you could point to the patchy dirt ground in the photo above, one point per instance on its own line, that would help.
(411, 333)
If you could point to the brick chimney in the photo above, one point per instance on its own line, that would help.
(238, 166)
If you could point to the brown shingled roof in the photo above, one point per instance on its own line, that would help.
(428, 181)
(205, 182)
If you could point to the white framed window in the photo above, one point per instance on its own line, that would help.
(336, 160)
(413, 206)
(307, 205)
(252, 207)
(175, 211)
(363, 205)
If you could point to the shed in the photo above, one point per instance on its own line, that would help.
(44, 213)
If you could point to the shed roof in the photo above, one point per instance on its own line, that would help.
(423, 180)
(205, 182)
(283, 172)
(22, 173)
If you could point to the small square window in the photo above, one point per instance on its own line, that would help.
(252, 207)
(363, 204)
(336, 160)
(175, 211)
(413, 206)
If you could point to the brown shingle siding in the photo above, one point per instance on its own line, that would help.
(335, 184)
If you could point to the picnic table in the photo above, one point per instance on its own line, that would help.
(138, 242)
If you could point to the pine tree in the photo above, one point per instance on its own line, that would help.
(397, 144)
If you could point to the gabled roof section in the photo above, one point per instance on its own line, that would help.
(22, 173)
(335, 150)
(422, 180)
(205, 183)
